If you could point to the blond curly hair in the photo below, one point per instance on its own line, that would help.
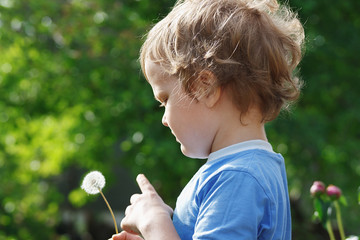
(252, 47)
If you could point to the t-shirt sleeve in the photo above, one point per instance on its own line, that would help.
(232, 205)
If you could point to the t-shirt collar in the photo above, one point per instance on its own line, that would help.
(239, 147)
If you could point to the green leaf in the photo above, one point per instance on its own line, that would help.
(342, 200)
(319, 208)
(322, 210)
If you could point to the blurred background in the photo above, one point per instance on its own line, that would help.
(73, 99)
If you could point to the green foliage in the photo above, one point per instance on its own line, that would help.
(323, 133)
(71, 96)
(73, 99)
(321, 210)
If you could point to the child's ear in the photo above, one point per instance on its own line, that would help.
(207, 89)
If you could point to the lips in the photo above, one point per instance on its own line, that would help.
(175, 136)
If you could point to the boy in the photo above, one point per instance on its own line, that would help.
(221, 69)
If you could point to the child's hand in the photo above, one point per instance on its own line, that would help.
(146, 210)
(126, 236)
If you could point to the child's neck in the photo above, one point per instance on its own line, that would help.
(229, 136)
(232, 130)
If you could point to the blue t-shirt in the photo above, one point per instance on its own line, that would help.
(239, 193)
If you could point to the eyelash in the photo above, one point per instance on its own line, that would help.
(163, 103)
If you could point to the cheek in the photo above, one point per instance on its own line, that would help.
(177, 122)
(195, 136)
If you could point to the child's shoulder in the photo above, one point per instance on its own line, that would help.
(258, 164)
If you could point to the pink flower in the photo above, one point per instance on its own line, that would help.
(333, 192)
(317, 188)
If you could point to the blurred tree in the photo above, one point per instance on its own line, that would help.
(73, 99)
(320, 138)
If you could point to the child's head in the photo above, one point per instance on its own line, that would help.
(251, 46)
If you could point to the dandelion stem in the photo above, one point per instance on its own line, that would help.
(339, 221)
(112, 214)
(329, 229)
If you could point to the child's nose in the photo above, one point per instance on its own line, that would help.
(163, 121)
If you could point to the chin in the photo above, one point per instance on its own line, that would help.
(193, 154)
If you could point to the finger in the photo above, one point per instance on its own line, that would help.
(128, 228)
(125, 236)
(127, 210)
(133, 198)
(120, 236)
(144, 184)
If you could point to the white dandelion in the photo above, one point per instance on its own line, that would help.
(93, 183)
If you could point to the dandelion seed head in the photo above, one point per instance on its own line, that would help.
(93, 182)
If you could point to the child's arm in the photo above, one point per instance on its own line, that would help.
(148, 215)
